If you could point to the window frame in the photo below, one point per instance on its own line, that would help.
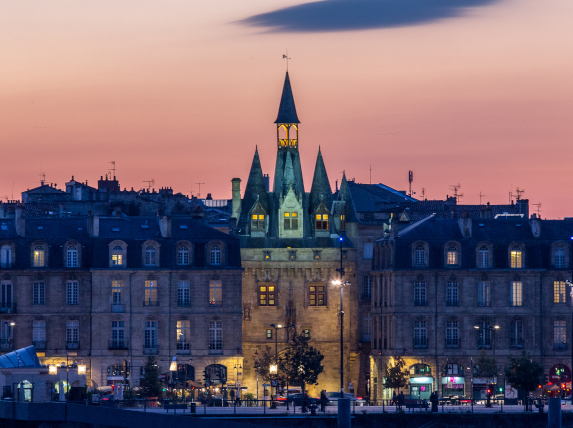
(150, 289)
(516, 258)
(559, 258)
(72, 292)
(484, 257)
(516, 294)
(183, 255)
(559, 334)
(290, 220)
(72, 256)
(150, 256)
(452, 334)
(266, 294)
(452, 293)
(215, 293)
(39, 256)
(420, 293)
(184, 293)
(39, 293)
(117, 256)
(484, 293)
(315, 290)
(215, 256)
(452, 256)
(559, 292)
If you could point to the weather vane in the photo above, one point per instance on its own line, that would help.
(286, 57)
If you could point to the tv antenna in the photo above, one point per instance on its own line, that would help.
(480, 196)
(519, 192)
(111, 172)
(410, 179)
(455, 188)
(42, 178)
(423, 193)
(199, 194)
(371, 174)
(538, 209)
(150, 183)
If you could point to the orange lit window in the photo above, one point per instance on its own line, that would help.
(267, 295)
(317, 295)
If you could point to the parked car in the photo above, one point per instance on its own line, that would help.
(332, 399)
(296, 399)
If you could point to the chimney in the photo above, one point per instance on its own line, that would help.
(236, 197)
(465, 224)
(267, 181)
(20, 221)
(535, 224)
(95, 226)
(165, 226)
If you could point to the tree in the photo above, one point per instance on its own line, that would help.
(151, 386)
(396, 377)
(264, 363)
(523, 374)
(301, 363)
(487, 368)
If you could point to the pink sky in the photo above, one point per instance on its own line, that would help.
(181, 92)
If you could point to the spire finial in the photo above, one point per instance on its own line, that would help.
(287, 58)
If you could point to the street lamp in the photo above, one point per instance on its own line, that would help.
(257, 367)
(341, 284)
(278, 327)
(491, 328)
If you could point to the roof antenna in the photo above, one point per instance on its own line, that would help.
(480, 196)
(287, 58)
(42, 178)
(410, 179)
(455, 188)
(150, 183)
(199, 194)
(370, 173)
(111, 171)
(538, 209)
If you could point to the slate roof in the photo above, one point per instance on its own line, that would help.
(320, 190)
(287, 110)
(372, 197)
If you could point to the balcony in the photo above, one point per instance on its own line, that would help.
(419, 303)
(72, 345)
(184, 302)
(151, 302)
(215, 349)
(8, 307)
(120, 344)
(39, 344)
(183, 348)
(420, 342)
(150, 350)
(452, 343)
(559, 346)
(117, 309)
(452, 302)
(6, 345)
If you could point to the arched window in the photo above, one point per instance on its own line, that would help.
(559, 257)
(6, 256)
(215, 255)
(39, 256)
(183, 255)
(483, 257)
(72, 256)
(117, 256)
(150, 256)
(452, 256)
(516, 259)
(419, 256)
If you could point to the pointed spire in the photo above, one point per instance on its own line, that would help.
(289, 171)
(256, 189)
(287, 110)
(345, 195)
(320, 190)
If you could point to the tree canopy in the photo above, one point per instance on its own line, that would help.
(301, 363)
(396, 377)
(151, 386)
(486, 366)
(523, 374)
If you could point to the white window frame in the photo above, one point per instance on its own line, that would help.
(452, 294)
(72, 331)
(184, 293)
(420, 256)
(117, 292)
(516, 294)
(215, 336)
(215, 256)
(559, 258)
(420, 295)
(150, 293)
(117, 256)
(215, 293)
(39, 256)
(150, 335)
(484, 294)
(150, 256)
(452, 334)
(560, 333)
(183, 255)
(39, 293)
(183, 335)
(72, 292)
(483, 258)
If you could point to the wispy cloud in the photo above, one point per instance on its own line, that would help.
(351, 15)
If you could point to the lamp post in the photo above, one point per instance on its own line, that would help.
(341, 283)
(491, 328)
(257, 367)
(278, 327)
(471, 367)
(570, 283)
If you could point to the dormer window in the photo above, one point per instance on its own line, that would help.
(516, 259)
(6, 256)
(483, 257)
(559, 258)
(150, 256)
(258, 222)
(72, 256)
(183, 255)
(291, 221)
(342, 221)
(117, 256)
(215, 255)
(321, 221)
(419, 256)
(452, 256)
(39, 256)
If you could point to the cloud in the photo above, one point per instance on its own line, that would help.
(351, 15)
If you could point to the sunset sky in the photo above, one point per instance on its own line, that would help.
(182, 91)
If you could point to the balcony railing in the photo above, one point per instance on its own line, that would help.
(419, 303)
(215, 348)
(151, 302)
(452, 302)
(73, 345)
(118, 344)
(420, 342)
(183, 348)
(6, 344)
(39, 344)
(452, 343)
(150, 350)
(8, 307)
(183, 302)
(559, 346)
(117, 308)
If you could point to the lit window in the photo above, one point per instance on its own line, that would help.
(215, 293)
(516, 259)
(117, 256)
(183, 335)
(322, 221)
(516, 293)
(72, 256)
(150, 294)
(39, 259)
(342, 221)
(306, 333)
(216, 255)
(559, 295)
(183, 256)
(258, 222)
(269, 333)
(291, 221)
(317, 295)
(116, 293)
(267, 295)
(559, 258)
(452, 256)
(150, 256)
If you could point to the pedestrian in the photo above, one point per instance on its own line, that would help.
(238, 400)
(322, 400)
(400, 400)
(394, 398)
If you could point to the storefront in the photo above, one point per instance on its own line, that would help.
(453, 380)
(421, 381)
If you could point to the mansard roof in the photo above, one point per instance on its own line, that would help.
(287, 110)
(320, 190)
